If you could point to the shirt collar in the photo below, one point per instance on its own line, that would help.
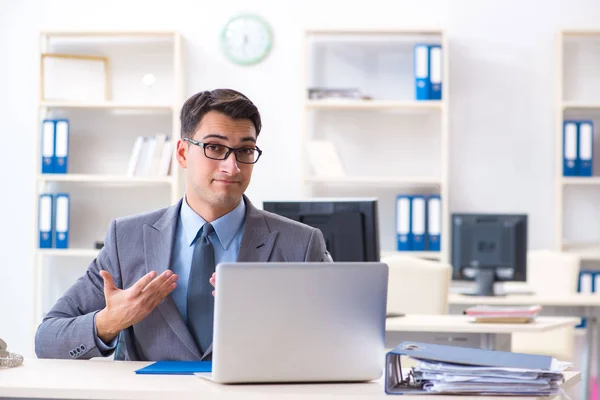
(225, 227)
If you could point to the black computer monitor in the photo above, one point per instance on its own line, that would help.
(349, 226)
(488, 248)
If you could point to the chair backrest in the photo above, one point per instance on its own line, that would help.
(417, 286)
(553, 272)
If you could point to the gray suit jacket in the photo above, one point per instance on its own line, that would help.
(142, 243)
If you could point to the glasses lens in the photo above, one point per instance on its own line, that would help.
(215, 151)
(247, 155)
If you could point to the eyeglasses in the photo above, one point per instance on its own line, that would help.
(244, 155)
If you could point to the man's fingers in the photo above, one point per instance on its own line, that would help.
(143, 282)
(156, 283)
(109, 284)
(168, 286)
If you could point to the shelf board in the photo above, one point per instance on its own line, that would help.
(435, 105)
(581, 32)
(423, 31)
(580, 105)
(107, 33)
(93, 178)
(69, 252)
(434, 255)
(587, 250)
(375, 180)
(583, 180)
(107, 105)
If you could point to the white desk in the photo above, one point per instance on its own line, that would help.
(442, 329)
(580, 305)
(90, 379)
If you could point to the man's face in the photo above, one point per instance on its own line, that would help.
(218, 184)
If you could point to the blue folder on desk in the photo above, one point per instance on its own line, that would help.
(176, 368)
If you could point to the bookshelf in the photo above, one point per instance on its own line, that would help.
(578, 98)
(102, 132)
(388, 142)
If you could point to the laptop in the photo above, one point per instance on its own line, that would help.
(299, 322)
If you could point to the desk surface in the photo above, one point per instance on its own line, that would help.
(464, 324)
(592, 300)
(98, 379)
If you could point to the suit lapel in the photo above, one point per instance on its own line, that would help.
(257, 240)
(158, 246)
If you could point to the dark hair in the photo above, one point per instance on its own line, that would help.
(226, 101)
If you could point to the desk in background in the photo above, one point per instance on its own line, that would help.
(459, 330)
(575, 305)
(95, 379)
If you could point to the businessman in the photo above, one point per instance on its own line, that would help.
(150, 291)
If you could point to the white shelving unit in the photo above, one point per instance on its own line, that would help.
(101, 138)
(390, 143)
(578, 97)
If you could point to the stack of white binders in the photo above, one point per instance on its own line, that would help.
(54, 221)
(428, 71)
(444, 369)
(151, 156)
(55, 146)
(418, 222)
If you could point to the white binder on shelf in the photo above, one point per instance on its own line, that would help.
(45, 221)
(421, 71)
(586, 282)
(47, 146)
(434, 222)
(135, 156)
(159, 145)
(570, 151)
(586, 148)
(166, 158)
(403, 234)
(418, 211)
(435, 72)
(61, 146)
(62, 221)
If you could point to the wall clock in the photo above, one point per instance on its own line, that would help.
(246, 39)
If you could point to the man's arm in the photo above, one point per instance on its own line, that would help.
(316, 250)
(68, 330)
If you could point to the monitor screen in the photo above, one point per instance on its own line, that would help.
(489, 244)
(349, 226)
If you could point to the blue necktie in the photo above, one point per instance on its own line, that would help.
(200, 301)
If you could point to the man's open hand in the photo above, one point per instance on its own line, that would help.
(128, 307)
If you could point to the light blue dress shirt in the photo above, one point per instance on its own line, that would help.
(226, 240)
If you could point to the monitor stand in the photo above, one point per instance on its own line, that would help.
(484, 283)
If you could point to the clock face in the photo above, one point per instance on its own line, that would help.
(246, 39)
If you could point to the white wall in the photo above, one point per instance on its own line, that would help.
(502, 99)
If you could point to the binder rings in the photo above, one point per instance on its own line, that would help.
(435, 72)
(61, 143)
(570, 150)
(586, 147)
(418, 216)
(45, 221)
(397, 383)
(47, 146)
(403, 216)
(434, 222)
(176, 368)
(421, 71)
(62, 221)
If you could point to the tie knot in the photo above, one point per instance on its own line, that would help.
(206, 230)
